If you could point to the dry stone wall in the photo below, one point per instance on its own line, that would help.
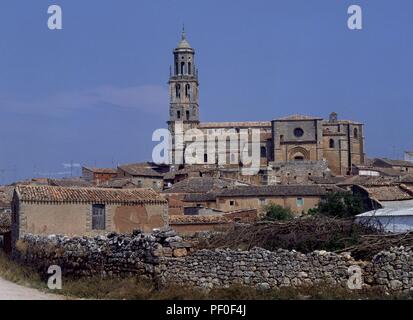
(164, 256)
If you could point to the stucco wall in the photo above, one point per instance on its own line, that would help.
(224, 204)
(76, 219)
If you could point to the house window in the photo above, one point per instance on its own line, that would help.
(300, 202)
(356, 133)
(263, 201)
(187, 115)
(178, 114)
(205, 158)
(140, 184)
(98, 217)
(263, 152)
(232, 203)
(332, 144)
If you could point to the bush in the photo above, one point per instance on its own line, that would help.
(277, 212)
(339, 204)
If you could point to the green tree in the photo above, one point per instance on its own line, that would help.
(277, 212)
(340, 204)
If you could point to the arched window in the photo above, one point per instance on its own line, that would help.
(182, 67)
(332, 144)
(263, 152)
(355, 133)
(178, 90)
(189, 68)
(188, 90)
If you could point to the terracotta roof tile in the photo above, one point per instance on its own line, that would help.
(88, 195)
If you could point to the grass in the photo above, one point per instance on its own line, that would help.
(134, 288)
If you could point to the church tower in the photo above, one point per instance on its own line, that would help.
(183, 87)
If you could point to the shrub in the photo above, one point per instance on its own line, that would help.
(277, 212)
(339, 204)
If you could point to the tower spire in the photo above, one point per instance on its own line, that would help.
(183, 32)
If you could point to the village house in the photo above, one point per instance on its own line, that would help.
(400, 166)
(199, 186)
(144, 175)
(390, 207)
(85, 211)
(374, 195)
(299, 198)
(98, 175)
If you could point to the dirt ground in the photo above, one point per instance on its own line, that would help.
(12, 291)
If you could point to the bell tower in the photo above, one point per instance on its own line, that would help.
(183, 87)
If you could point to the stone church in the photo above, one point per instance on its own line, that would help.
(297, 141)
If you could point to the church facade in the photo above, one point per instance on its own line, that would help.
(296, 139)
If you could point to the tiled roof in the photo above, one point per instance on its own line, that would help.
(199, 197)
(87, 195)
(69, 183)
(140, 170)
(189, 169)
(397, 163)
(278, 190)
(119, 183)
(198, 219)
(368, 181)
(101, 170)
(245, 124)
(388, 193)
(198, 185)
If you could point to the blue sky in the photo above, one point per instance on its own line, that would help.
(94, 92)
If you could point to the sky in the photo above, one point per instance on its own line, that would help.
(94, 92)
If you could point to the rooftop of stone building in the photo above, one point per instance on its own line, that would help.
(198, 185)
(278, 190)
(50, 194)
(245, 124)
(119, 183)
(392, 162)
(101, 170)
(388, 193)
(297, 117)
(69, 182)
(144, 169)
(368, 181)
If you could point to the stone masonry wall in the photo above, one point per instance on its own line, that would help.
(165, 257)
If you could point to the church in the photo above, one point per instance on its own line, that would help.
(296, 141)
